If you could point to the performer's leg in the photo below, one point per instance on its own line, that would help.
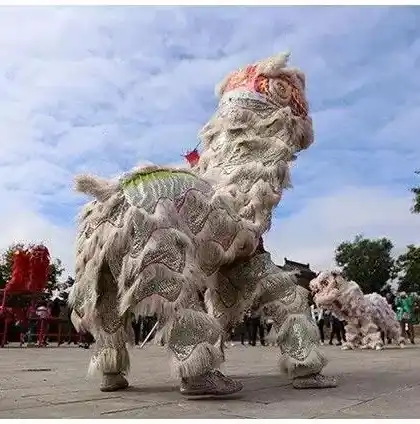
(371, 336)
(338, 332)
(403, 330)
(288, 304)
(334, 330)
(136, 329)
(242, 336)
(195, 340)
(411, 332)
(321, 330)
(254, 331)
(248, 329)
(352, 334)
(343, 331)
(261, 333)
(110, 358)
(193, 337)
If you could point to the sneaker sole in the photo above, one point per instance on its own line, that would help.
(113, 388)
(210, 396)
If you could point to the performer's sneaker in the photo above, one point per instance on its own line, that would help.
(212, 383)
(113, 382)
(314, 381)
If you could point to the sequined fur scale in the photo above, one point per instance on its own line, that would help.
(160, 240)
(366, 315)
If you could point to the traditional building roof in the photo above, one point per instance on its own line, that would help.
(305, 275)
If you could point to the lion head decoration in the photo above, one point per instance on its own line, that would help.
(261, 122)
(262, 107)
(333, 292)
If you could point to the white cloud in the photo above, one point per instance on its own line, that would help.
(311, 234)
(101, 89)
(20, 221)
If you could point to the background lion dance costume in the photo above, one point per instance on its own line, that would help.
(366, 315)
(186, 244)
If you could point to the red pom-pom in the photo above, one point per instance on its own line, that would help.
(192, 157)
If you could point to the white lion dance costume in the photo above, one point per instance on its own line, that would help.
(366, 315)
(184, 244)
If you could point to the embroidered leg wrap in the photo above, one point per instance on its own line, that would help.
(371, 336)
(109, 328)
(353, 334)
(288, 304)
(194, 338)
(111, 354)
(394, 333)
(230, 295)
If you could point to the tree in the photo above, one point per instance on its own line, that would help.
(63, 289)
(367, 262)
(408, 268)
(6, 263)
(416, 192)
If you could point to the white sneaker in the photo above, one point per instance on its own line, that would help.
(321, 343)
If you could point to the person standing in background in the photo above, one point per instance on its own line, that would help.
(337, 329)
(242, 329)
(54, 308)
(136, 324)
(405, 306)
(257, 327)
(247, 322)
(416, 309)
(270, 331)
(318, 316)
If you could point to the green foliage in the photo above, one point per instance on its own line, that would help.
(68, 283)
(367, 262)
(416, 200)
(408, 268)
(6, 263)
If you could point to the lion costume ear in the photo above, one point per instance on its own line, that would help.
(273, 66)
(218, 90)
(270, 67)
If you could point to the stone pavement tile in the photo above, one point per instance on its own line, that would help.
(308, 407)
(367, 385)
(234, 408)
(64, 392)
(404, 403)
(175, 411)
(53, 389)
(10, 404)
(87, 408)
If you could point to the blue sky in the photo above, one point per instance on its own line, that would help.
(101, 89)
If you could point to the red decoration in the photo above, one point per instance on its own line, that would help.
(20, 272)
(192, 157)
(40, 268)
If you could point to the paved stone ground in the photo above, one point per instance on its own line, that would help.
(51, 383)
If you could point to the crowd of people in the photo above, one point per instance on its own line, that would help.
(257, 325)
(46, 322)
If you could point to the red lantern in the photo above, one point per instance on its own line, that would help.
(40, 268)
(20, 272)
(192, 157)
